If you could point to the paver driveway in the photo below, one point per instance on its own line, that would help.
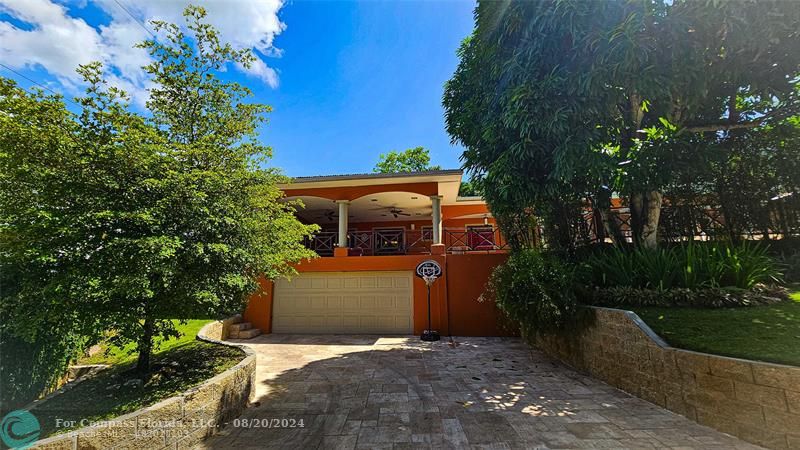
(368, 392)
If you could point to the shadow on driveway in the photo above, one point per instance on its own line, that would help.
(369, 392)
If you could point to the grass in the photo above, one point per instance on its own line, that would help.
(177, 366)
(762, 333)
(113, 355)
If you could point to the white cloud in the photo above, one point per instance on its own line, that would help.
(261, 70)
(58, 42)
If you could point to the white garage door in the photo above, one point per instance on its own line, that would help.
(352, 302)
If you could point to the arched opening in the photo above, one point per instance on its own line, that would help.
(322, 212)
(389, 223)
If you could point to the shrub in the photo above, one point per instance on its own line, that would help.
(692, 266)
(31, 369)
(626, 296)
(535, 291)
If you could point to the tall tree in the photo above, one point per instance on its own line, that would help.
(595, 97)
(415, 159)
(151, 219)
(42, 283)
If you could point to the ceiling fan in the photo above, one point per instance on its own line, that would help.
(396, 212)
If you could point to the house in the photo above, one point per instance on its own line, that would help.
(375, 230)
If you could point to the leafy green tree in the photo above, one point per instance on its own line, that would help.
(130, 221)
(43, 326)
(415, 159)
(559, 103)
(470, 188)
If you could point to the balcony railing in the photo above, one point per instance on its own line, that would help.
(397, 241)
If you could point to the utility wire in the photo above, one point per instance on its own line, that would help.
(144, 27)
(40, 85)
(141, 24)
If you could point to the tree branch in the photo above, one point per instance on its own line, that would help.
(733, 125)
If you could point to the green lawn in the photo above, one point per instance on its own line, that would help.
(117, 355)
(762, 333)
(178, 365)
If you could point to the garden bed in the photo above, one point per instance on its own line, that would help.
(179, 365)
(761, 333)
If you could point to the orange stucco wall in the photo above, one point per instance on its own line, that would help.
(259, 306)
(454, 306)
(466, 278)
(451, 211)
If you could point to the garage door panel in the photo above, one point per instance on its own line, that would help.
(385, 322)
(367, 302)
(334, 302)
(300, 283)
(344, 303)
(350, 321)
(334, 322)
(387, 302)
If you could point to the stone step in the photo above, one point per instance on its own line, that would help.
(241, 326)
(249, 333)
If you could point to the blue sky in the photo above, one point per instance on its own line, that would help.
(352, 79)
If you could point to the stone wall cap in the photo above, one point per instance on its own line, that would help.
(663, 344)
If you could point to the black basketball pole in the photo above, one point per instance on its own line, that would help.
(429, 335)
(429, 271)
(429, 306)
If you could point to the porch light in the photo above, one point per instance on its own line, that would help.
(485, 220)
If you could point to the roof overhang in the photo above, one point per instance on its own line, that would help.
(445, 183)
(360, 179)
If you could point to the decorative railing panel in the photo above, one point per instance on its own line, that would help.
(473, 240)
(323, 243)
(397, 241)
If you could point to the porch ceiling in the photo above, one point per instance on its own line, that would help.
(381, 207)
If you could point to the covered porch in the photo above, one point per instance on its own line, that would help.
(397, 214)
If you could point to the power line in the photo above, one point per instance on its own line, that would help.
(141, 24)
(40, 85)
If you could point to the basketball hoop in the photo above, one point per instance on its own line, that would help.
(429, 271)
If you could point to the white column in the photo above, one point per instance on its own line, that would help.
(436, 201)
(343, 205)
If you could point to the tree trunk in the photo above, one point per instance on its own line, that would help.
(649, 237)
(609, 222)
(645, 215)
(636, 205)
(145, 346)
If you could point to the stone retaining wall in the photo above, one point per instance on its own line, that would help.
(755, 401)
(177, 422)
